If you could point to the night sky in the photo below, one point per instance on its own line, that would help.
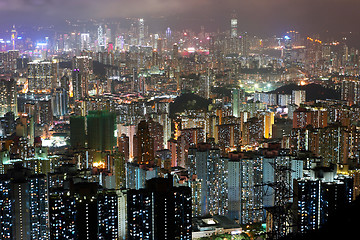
(257, 16)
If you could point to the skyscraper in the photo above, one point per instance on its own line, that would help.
(141, 32)
(245, 198)
(77, 131)
(160, 211)
(238, 97)
(82, 71)
(234, 27)
(100, 130)
(317, 199)
(41, 76)
(8, 97)
(145, 144)
(287, 50)
(25, 205)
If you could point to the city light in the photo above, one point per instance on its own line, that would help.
(176, 120)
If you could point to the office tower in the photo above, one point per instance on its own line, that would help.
(298, 97)
(26, 204)
(245, 45)
(160, 211)
(141, 32)
(168, 33)
(13, 37)
(100, 130)
(100, 36)
(119, 43)
(244, 191)
(175, 52)
(318, 199)
(8, 97)
(85, 41)
(77, 132)
(234, 26)
(82, 67)
(65, 82)
(41, 76)
(238, 97)
(60, 102)
(135, 84)
(234, 40)
(287, 50)
(294, 36)
(108, 38)
(145, 144)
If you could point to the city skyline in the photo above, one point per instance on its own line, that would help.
(156, 119)
(254, 16)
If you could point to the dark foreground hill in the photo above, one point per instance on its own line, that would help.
(188, 101)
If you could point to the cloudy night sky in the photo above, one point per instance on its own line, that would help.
(258, 16)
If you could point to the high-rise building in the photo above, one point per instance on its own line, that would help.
(101, 130)
(238, 97)
(244, 191)
(41, 76)
(298, 97)
(25, 205)
(211, 169)
(234, 27)
(77, 132)
(8, 97)
(228, 136)
(107, 202)
(145, 144)
(60, 102)
(350, 90)
(45, 113)
(160, 211)
(287, 49)
(141, 32)
(100, 35)
(319, 197)
(82, 67)
(301, 118)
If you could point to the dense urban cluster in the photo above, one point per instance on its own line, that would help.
(110, 131)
